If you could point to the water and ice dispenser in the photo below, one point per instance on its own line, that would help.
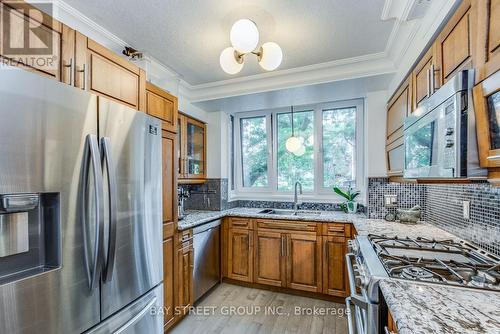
(30, 235)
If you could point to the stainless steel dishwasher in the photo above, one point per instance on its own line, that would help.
(206, 272)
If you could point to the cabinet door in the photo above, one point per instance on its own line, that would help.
(195, 149)
(487, 55)
(424, 78)
(169, 176)
(114, 77)
(270, 258)
(395, 157)
(181, 148)
(31, 39)
(487, 110)
(303, 262)
(168, 276)
(240, 254)
(398, 109)
(162, 105)
(454, 44)
(334, 266)
(184, 279)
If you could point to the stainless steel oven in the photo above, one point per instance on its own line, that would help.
(364, 272)
(440, 135)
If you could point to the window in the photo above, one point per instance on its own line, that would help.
(292, 168)
(339, 142)
(254, 151)
(332, 150)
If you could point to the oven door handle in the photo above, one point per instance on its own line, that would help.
(350, 327)
(356, 298)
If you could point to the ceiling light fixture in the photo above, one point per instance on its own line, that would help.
(293, 144)
(244, 37)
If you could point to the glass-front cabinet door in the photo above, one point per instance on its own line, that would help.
(195, 149)
(192, 150)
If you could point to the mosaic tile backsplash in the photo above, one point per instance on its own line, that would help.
(443, 207)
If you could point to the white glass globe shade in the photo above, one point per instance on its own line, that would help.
(271, 56)
(228, 62)
(244, 36)
(292, 144)
(300, 151)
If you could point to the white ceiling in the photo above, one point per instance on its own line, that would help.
(188, 35)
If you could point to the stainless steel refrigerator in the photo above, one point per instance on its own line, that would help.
(80, 211)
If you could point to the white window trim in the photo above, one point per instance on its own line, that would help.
(320, 193)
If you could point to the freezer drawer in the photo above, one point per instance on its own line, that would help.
(142, 316)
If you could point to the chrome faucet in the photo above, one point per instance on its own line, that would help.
(296, 197)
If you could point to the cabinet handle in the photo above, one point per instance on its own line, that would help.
(428, 82)
(71, 66)
(493, 157)
(84, 72)
(433, 83)
(282, 246)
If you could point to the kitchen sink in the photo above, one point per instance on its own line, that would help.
(280, 212)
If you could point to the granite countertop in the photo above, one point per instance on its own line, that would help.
(433, 308)
(416, 307)
(195, 218)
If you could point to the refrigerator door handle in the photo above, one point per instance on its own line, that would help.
(108, 160)
(91, 156)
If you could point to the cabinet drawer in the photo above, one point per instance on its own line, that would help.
(168, 230)
(243, 223)
(185, 238)
(334, 229)
(287, 225)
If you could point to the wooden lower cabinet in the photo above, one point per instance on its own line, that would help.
(270, 258)
(287, 254)
(334, 266)
(169, 251)
(240, 254)
(184, 277)
(303, 262)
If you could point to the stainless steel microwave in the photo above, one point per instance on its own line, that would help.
(440, 135)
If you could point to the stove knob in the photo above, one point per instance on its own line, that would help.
(449, 131)
(449, 143)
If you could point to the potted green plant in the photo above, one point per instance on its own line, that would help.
(350, 206)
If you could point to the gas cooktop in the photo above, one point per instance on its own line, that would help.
(437, 261)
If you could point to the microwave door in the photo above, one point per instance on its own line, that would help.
(421, 148)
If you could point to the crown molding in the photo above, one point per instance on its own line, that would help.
(344, 69)
(406, 40)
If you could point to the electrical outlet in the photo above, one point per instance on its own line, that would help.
(466, 209)
(390, 201)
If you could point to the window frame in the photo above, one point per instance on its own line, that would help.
(319, 193)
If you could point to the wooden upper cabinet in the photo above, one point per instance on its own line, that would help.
(399, 107)
(303, 262)
(31, 39)
(240, 254)
(162, 105)
(112, 76)
(169, 176)
(425, 80)
(270, 256)
(487, 109)
(453, 46)
(192, 150)
(487, 49)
